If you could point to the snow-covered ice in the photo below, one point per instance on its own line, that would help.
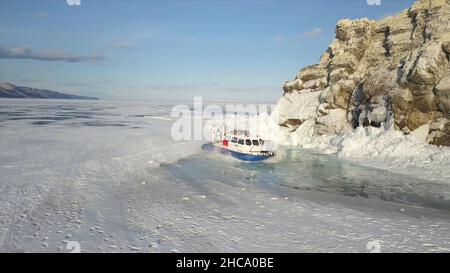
(109, 176)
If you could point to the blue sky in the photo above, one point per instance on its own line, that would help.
(169, 50)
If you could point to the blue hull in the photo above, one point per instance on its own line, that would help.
(247, 157)
(241, 156)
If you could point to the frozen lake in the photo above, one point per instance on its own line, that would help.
(109, 176)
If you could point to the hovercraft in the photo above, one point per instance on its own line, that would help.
(239, 144)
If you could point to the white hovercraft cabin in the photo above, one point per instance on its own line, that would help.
(240, 145)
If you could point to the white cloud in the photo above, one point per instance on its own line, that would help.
(41, 14)
(314, 33)
(280, 39)
(149, 32)
(51, 54)
(123, 45)
(292, 39)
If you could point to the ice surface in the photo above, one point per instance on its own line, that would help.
(386, 149)
(109, 176)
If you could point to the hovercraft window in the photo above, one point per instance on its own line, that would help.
(234, 140)
(255, 142)
(241, 141)
(248, 142)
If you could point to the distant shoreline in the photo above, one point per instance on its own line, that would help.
(10, 91)
(32, 98)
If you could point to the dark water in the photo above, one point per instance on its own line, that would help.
(306, 172)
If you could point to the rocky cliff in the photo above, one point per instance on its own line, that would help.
(394, 72)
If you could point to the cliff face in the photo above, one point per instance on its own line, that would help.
(394, 72)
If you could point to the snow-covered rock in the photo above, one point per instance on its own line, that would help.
(395, 69)
(386, 95)
(293, 108)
